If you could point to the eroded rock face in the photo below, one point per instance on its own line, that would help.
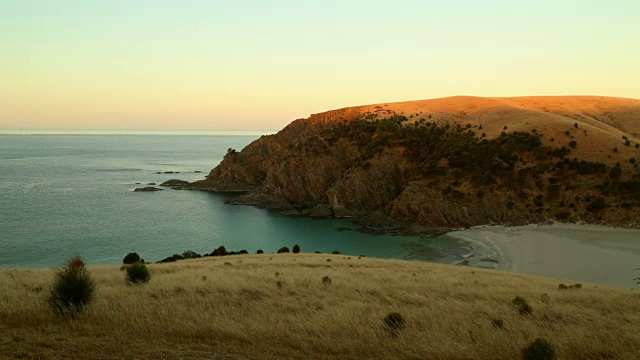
(347, 163)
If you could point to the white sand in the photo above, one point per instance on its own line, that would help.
(574, 253)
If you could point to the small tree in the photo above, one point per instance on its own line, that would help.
(131, 258)
(73, 288)
(296, 249)
(283, 249)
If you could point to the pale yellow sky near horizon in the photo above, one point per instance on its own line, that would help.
(257, 65)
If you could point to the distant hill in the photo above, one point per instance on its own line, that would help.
(449, 162)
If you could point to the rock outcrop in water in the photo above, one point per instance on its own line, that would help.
(175, 182)
(450, 162)
(147, 189)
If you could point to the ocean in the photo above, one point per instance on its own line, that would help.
(66, 194)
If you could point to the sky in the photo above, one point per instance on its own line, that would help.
(258, 65)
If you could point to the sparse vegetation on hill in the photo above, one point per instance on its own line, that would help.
(387, 167)
(343, 309)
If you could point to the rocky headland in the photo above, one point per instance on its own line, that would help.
(448, 163)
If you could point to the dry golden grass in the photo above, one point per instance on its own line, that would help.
(206, 309)
(602, 121)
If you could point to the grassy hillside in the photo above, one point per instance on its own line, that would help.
(602, 121)
(277, 306)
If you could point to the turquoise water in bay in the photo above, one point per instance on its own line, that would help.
(73, 194)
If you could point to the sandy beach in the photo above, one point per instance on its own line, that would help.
(572, 252)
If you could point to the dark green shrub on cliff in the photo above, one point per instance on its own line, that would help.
(615, 172)
(190, 254)
(539, 349)
(296, 249)
(283, 249)
(73, 288)
(220, 251)
(596, 205)
(137, 274)
(131, 258)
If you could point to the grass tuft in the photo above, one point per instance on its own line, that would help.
(73, 288)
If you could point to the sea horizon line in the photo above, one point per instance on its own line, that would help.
(132, 132)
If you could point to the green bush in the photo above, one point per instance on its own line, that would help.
(220, 251)
(522, 305)
(283, 249)
(73, 288)
(393, 323)
(190, 254)
(131, 258)
(539, 349)
(138, 274)
(335, 252)
(296, 249)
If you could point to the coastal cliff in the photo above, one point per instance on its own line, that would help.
(451, 162)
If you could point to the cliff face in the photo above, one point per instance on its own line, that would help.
(437, 164)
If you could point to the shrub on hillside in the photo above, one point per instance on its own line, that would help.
(393, 323)
(539, 349)
(283, 249)
(73, 288)
(597, 205)
(131, 258)
(220, 251)
(296, 249)
(335, 252)
(137, 274)
(190, 254)
(522, 305)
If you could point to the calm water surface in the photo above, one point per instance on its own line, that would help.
(73, 194)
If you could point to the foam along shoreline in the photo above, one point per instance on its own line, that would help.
(572, 252)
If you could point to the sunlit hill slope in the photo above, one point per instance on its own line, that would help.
(449, 162)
